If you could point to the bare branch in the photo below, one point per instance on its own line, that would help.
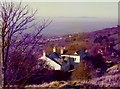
(14, 21)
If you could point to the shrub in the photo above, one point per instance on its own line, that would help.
(61, 75)
(47, 76)
(81, 72)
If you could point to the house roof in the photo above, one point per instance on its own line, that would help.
(80, 52)
(58, 61)
(83, 54)
(54, 55)
(52, 59)
(70, 53)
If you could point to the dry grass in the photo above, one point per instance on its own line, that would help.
(110, 80)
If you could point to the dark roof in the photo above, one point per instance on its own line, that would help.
(80, 52)
(57, 61)
(83, 54)
(70, 53)
(54, 55)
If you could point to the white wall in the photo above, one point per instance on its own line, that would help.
(76, 58)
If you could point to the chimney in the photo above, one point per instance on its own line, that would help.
(62, 50)
(44, 54)
(54, 49)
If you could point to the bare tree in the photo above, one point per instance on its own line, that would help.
(15, 19)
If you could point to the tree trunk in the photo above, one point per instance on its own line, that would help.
(1, 82)
(3, 64)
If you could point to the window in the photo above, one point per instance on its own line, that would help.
(74, 59)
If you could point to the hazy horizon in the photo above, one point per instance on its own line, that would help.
(66, 25)
(70, 17)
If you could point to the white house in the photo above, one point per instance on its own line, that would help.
(66, 61)
(54, 64)
(74, 56)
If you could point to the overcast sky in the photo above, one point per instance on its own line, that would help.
(66, 0)
(91, 16)
(76, 9)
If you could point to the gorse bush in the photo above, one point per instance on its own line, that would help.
(81, 72)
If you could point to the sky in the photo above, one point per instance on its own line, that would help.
(76, 9)
(69, 17)
(66, 0)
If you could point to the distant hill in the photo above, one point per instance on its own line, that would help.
(111, 33)
(107, 31)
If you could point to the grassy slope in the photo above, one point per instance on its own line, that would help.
(110, 80)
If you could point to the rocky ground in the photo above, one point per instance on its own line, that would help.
(110, 79)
